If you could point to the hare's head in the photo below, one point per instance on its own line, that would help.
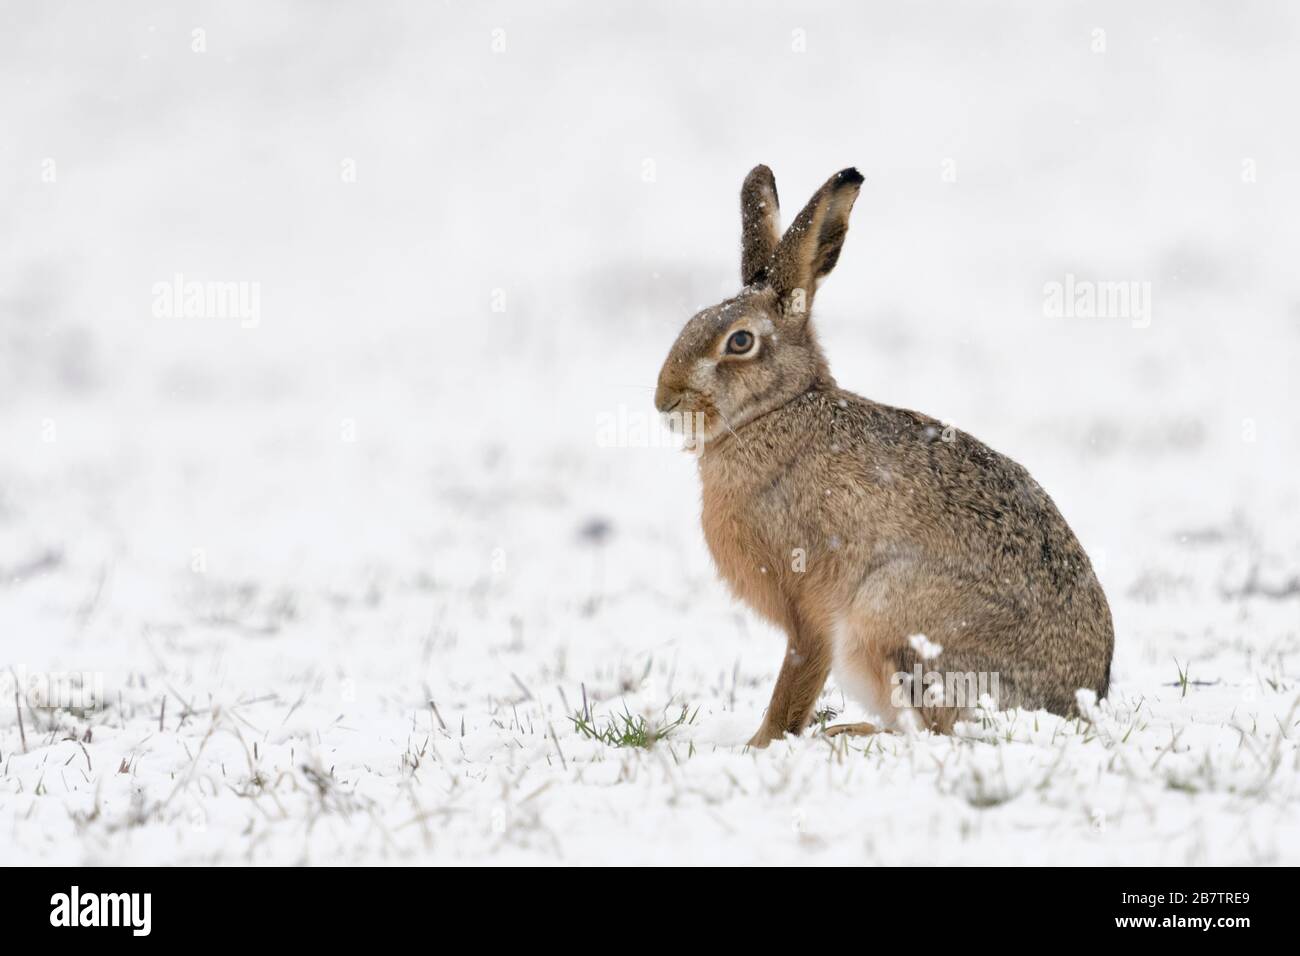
(756, 351)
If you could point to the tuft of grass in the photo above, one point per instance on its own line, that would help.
(629, 730)
(824, 716)
(983, 793)
(1185, 679)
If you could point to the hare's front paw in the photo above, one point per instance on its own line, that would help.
(764, 737)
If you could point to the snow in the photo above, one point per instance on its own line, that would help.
(925, 647)
(341, 579)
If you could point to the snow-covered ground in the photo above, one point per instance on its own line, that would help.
(342, 573)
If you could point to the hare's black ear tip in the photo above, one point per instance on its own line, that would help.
(850, 177)
(761, 171)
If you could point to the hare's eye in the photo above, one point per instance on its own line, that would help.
(740, 342)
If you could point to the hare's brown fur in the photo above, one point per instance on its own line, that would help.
(854, 526)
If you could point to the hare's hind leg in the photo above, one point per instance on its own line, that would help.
(855, 730)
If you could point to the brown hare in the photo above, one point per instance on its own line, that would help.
(914, 562)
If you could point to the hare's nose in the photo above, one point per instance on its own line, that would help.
(666, 399)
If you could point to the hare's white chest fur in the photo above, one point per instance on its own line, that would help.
(753, 567)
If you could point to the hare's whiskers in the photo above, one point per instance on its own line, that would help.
(729, 428)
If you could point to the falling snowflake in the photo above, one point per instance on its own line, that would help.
(925, 647)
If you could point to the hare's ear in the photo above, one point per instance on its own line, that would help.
(812, 244)
(759, 224)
